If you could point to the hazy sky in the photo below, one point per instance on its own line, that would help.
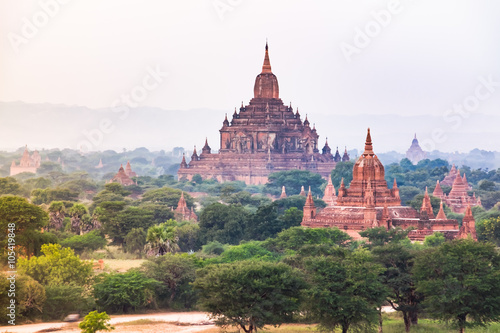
(330, 57)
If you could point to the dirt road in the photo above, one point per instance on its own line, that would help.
(191, 322)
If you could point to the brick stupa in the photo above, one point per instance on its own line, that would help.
(183, 213)
(458, 199)
(262, 137)
(122, 177)
(369, 203)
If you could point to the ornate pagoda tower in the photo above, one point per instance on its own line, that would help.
(262, 137)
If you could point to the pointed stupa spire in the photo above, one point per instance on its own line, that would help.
(309, 200)
(194, 157)
(306, 122)
(395, 184)
(182, 205)
(368, 144)
(329, 197)
(441, 215)
(183, 162)
(426, 205)
(206, 148)
(438, 191)
(226, 122)
(266, 67)
(283, 192)
(302, 191)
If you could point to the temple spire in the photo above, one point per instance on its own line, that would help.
(183, 162)
(368, 144)
(283, 192)
(266, 67)
(441, 215)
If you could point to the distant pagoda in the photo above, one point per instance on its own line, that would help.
(415, 153)
(265, 136)
(27, 164)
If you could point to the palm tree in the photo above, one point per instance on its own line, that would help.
(77, 212)
(161, 239)
(57, 213)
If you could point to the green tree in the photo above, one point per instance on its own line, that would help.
(342, 170)
(223, 223)
(29, 298)
(489, 230)
(175, 272)
(57, 265)
(189, 237)
(119, 293)
(95, 321)
(399, 280)
(246, 250)
(346, 290)
(64, 299)
(434, 240)
(9, 185)
(46, 196)
(166, 196)
(90, 241)
(135, 241)
(249, 294)
(293, 180)
(297, 237)
(380, 236)
(26, 219)
(407, 193)
(460, 281)
(162, 239)
(213, 248)
(118, 223)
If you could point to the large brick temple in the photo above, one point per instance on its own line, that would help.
(369, 203)
(265, 136)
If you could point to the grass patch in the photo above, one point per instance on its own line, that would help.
(121, 265)
(142, 322)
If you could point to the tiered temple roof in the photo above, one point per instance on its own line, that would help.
(368, 203)
(262, 137)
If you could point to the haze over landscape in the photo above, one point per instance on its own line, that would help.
(398, 69)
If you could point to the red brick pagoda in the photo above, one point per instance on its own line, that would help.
(124, 176)
(264, 136)
(369, 203)
(458, 199)
(183, 213)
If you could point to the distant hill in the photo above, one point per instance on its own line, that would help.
(61, 126)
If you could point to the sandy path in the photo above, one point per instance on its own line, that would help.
(194, 318)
